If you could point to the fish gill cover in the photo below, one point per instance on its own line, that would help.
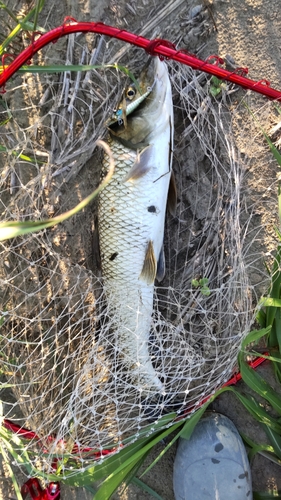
(59, 347)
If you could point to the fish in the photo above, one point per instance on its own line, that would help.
(131, 217)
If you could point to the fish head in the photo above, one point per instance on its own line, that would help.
(145, 107)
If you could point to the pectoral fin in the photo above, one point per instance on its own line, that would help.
(172, 195)
(149, 269)
(141, 166)
(161, 265)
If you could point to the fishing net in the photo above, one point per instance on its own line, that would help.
(59, 352)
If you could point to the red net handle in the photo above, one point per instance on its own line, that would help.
(162, 48)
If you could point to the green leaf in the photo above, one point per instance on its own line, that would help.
(271, 302)
(261, 318)
(12, 443)
(265, 450)
(161, 454)
(254, 409)
(18, 28)
(130, 454)
(276, 359)
(215, 91)
(275, 440)
(269, 495)
(122, 475)
(259, 385)
(195, 283)
(21, 156)
(254, 335)
(277, 371)
(38, 7)
(204, 282)
(90, 489)
(11, 229)
(11, 472)
(146, 488)
(191, 422)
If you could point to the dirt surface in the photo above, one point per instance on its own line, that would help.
(248, 30)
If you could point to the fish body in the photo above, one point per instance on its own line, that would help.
(131, 217)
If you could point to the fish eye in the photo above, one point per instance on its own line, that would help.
(130, 93)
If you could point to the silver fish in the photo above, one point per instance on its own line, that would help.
(131, 217)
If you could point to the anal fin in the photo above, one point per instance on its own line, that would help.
(149, 269)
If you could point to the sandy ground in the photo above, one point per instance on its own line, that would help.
(249, 31)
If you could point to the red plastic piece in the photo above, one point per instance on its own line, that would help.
(241, 71)
(218, 60)
(33, 488)
(153, 44)
(68, 20)
(264, 82)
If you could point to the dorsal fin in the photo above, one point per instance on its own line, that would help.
(149, 268)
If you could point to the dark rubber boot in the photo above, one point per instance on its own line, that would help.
(213, 464)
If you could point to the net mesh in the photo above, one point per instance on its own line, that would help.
(58, 350)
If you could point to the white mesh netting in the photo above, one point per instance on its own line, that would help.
(57, 347)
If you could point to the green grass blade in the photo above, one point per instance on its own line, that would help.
(253, 408)
(275, 440)
(11, 472)
(3, 149)
(153, 428)
(259, 385)
(271, 302)
(91, 489)
(185, 433)
(130, 454)
(146, 488)
(265, 450)
(57, 68)
(135, 469)
(161, 454)
(261, 318)
(254, 335)
(9, 12)
(38, 8)
(20, 25)
(192, 421)
(271, 456)
(277, 371)
(11, 229)
(12, 443)
(269, 495)
(279, 201)
(112, 482)
(111, 464)
(259, 354)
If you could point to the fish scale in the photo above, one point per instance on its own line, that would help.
(131, 217)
